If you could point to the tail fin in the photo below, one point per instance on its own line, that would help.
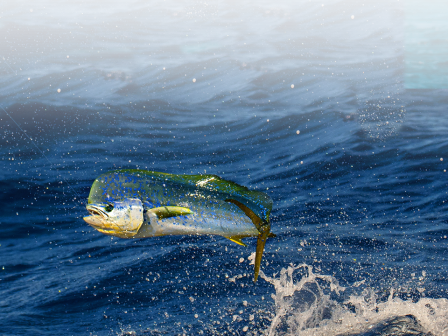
(261, 242)
(265, 231)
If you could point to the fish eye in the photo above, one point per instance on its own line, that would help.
(109, 207)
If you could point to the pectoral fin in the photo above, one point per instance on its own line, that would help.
(237, 240)
(170, 211)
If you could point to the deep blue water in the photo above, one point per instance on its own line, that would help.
(302, 100)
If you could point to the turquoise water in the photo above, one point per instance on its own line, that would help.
(426, 47)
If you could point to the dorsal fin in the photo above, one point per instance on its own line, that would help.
(265, 231)
(170, 211)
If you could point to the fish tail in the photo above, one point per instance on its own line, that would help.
(261, 242)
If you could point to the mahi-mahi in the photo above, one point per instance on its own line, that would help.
(129, 203)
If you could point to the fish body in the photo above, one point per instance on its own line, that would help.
(211, 220)
(140, 204)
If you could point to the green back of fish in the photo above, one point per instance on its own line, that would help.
(166, 189)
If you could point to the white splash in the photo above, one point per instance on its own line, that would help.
(307, 303)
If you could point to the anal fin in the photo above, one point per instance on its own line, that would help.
(237, 240)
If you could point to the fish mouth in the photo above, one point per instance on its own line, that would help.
(97, 218)
(98, 222)
(96, 211)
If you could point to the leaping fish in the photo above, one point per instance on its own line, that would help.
(130, 203)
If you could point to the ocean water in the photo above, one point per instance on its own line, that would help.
(303, 100)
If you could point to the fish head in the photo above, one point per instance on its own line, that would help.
(118, 218)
